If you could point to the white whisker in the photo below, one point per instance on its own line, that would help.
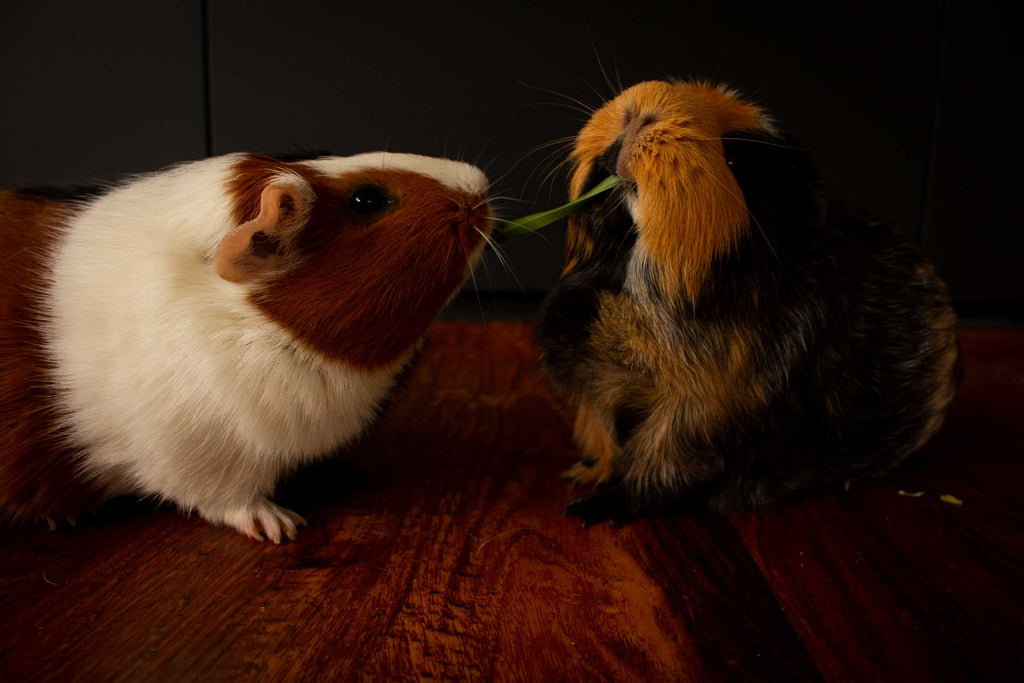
(501, 256)
(604, 73)
(498, 198)
(759, 142)
(476, 290)
(581, 106)
(554, 171)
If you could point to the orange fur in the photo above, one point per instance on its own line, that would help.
(689, 211)
(594, 438)
(724, 378)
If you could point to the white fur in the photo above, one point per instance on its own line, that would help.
(455, 174)
(174, 382)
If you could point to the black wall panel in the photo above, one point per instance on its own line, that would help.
(888, 97)
(92, 91)
(489, 83)
(973, 226)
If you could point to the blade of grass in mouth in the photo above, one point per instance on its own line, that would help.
(536, 221)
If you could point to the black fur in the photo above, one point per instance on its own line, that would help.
(839, 309)
(567, 312)
(303, 154)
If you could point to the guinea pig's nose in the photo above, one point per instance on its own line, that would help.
(473, 214)
(623, 146)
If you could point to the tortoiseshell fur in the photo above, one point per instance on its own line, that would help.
(811, 347)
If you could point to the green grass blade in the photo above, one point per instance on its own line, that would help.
(536, 221)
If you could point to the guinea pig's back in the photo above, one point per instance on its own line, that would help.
(38, 472)
(901, 361)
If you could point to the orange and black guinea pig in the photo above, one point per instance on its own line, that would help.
(726, 333)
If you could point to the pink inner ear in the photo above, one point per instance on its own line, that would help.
(255, 247)
(263, 245)
(276, 206)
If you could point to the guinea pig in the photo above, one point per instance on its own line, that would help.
(727, 334)
(193, 334)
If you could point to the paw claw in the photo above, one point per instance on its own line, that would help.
(266, 521)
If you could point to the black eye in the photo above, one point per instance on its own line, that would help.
(368, 200)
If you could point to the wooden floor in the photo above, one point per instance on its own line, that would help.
(456, 563)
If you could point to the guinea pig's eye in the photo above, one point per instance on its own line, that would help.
(368, 200)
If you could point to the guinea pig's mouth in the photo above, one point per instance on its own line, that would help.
(626, 192)
(480, 224)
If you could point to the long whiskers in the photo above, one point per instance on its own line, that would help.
(577, 104)
(614, 90)
(562, 141)
(561, 147)
(550, 175)
(759, 142)
(476, 292)
(500, 254)
(497, 198)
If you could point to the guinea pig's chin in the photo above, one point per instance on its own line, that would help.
(633, 205)
(477, 253)
(488, 227)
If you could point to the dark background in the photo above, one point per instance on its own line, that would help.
(906, 107)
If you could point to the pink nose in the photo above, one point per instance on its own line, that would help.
(632, 127)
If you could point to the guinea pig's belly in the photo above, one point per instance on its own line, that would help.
(294, 410)
(204, 449)
(266, 410)
(316, 411)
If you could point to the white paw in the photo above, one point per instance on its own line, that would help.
(265, 519)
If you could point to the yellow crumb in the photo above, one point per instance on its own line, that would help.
(908, 494)
(952, 500)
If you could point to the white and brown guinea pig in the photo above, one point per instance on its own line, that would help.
(193, 334)
(727, 333)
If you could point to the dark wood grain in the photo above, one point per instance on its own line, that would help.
(882, 585)
(455, 562)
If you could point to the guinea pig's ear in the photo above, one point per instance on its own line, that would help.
(261, 246)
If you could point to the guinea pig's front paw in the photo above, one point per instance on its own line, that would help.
(264, 518)
(611, 505)
(590, 472)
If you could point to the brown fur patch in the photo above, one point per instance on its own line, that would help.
(713, 381)
(595, 440)
(690, 210)
(251, 176)
(365, 289)
(579, 247)
(39, 475)
(680, 387)
(948, 368)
